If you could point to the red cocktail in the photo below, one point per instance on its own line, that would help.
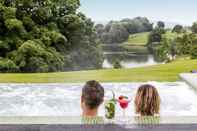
(124, 102)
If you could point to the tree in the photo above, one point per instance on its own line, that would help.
(163, 50)
(156, 35)
(99, 29)
(154, 38)
(178, 29)
(137, 25)
(7, 65)
(194, 27)
(194, 52)
(118, 31)
(160, 24)
(43, 35)
(33, 57)
(185, 43)
(117, 64)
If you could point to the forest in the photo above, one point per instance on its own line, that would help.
(118, 31)
(46, 36)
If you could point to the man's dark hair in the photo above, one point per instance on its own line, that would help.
(92, 94)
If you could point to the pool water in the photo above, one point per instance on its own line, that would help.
(177, 99)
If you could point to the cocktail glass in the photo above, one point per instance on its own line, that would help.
(110, 106)
(123, 102)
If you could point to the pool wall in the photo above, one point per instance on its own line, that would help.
(169, 127)
(64, 124)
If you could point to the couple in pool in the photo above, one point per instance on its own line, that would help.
(147, 100)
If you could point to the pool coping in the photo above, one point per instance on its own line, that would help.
(190, 79)
(23, 120)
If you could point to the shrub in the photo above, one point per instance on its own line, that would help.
(117, 64)
(7, 65)
(13, 24)
(194, 52)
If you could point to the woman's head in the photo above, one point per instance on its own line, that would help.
(147, 100)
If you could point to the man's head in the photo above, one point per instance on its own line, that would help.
(92, 95)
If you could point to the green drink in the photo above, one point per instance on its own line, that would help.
(110, 107)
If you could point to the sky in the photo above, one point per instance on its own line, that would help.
(178, 11)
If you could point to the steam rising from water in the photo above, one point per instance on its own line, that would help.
(64, 99)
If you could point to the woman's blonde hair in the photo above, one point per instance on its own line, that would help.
(147, 100)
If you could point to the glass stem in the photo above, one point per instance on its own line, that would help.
(124, 113)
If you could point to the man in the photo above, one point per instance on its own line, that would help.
(92, 97)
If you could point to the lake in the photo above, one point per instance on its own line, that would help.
(128, 60)
(136, 56)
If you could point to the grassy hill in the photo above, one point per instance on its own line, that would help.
(137, 43)
(162, 72)
(138, 39)
(141, 39)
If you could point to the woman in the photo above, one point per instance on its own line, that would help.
(147, 101)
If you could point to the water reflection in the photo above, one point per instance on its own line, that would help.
(128, 60)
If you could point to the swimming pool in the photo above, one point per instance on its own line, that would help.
(177, 99)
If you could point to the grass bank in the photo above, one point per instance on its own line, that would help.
(138, 39)
(137, 43)
(162, 72)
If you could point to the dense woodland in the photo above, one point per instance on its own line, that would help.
(118, 31)
(46, 36)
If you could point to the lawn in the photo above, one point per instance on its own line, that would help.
(141, 39)
(162, 72)
(138, 39)
(137, 43)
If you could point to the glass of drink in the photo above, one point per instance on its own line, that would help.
(123, 102)
(110, 107)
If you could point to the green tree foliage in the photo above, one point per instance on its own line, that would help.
(178, 29)
(32, 57)
(165, 49)
(185, 43)
(99, 29)
(155, 37)
(7, 65)
(194, 27)
(137, 25)
(45, 36)
(117, 64)
(156, 34)
(13, 24)
(118, 31)
(160, 24)
(194, 51)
